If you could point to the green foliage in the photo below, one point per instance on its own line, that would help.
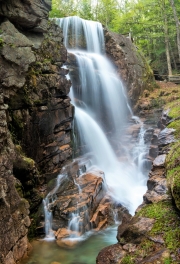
(143, 19)
(63, 8)
(168, 261)
(127, 260)
(85, 10)
(175, 125)
(1, 42)
(173, 171)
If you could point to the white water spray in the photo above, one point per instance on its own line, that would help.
(47, 203)
(101, 109)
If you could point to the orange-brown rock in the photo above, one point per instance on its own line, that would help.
(80, 203)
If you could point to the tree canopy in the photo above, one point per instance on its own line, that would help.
(154, 25)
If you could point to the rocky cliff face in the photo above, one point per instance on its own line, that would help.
(35, 117)
(130, 65)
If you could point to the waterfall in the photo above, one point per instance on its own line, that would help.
(48, 218)
(47, 203)
(102, 111)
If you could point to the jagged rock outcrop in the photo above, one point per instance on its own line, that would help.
(130, 65)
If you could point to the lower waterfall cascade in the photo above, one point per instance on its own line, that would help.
(102, 114)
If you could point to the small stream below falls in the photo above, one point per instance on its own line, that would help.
(47, 251)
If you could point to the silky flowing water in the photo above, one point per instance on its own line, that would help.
(46, 252)
(102, 111)
(102, 118)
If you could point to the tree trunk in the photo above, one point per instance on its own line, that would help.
(172, 56)
(166, 38)
(177, 25)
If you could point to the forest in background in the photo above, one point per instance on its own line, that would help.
(153, 25)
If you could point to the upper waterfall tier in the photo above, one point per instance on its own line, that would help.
(82, 34)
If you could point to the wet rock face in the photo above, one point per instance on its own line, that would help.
(79, 203)
(130, 65)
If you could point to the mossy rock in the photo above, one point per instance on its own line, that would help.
(167, 223)
(176, 125)
(36, 218)
(23, 167)
(173, 161)
(173, 157)
(19, 188)
(161, 240)
(23, 207)
(24, 163)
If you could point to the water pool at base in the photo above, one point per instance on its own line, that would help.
(47, 252)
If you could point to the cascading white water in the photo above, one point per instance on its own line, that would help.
(101, 109)
(47, 202)
(76, 27)
(48, 218)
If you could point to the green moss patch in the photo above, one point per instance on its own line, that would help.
(174, 109)
(176, 126)
(127, 260)
(167, 223)
(172, 159)
(166, 227)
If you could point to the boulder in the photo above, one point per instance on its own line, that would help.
(110, 255)
(166, 136)
(159, 161)
(131, 66)
(135, 230)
